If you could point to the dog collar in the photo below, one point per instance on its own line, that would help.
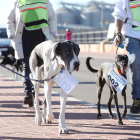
(118, 70)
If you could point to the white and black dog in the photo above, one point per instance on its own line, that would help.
(15, 64)
(48, 58)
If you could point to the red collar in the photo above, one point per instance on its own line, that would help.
(118, 70)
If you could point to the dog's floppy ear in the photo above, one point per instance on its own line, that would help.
(56, 50)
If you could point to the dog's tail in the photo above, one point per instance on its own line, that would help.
(89, 66)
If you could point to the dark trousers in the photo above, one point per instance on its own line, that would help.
(29, 40)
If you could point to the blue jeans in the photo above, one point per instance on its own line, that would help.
(28, 86)
(133, 52)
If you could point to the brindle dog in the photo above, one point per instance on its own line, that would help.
(121, 64)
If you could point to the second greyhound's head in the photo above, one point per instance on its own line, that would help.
(67, 53)
(122, 63)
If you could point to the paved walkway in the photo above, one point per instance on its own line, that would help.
(17, 120)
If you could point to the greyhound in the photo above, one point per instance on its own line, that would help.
(120, 64)
(48, 58)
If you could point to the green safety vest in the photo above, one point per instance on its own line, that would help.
(135, 11)
(34, 13)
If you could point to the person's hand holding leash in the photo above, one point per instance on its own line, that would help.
(118, 39)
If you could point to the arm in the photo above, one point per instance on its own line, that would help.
(118, 25)
(119, 36)
(11, 21)
(52, 19)
(120, 16)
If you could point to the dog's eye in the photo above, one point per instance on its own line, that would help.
(77, 52)
(67, 53)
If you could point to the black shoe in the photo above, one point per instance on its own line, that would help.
(31, 104)
(135, 108)
(28, 98)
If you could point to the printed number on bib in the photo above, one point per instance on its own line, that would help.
(117, 80)
(66, 81)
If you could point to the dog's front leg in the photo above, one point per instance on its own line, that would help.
(38, 118)
(47, 88)
(124, 103)
(62, 126)
(109, 104)
(117, 109)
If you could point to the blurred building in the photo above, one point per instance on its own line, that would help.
(93, 15)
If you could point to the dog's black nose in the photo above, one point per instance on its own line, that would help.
(76, 66)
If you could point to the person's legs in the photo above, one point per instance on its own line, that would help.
(29, 41)
(133, 52)
(26, 82)
(26, 72)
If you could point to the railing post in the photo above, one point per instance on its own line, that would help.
(101, 36)
(59, 38)
(93, 38)
(87, 37)
(81, 38)
(76, 38)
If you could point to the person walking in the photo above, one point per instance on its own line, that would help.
(29, 23)
(127, 19)
(68, 34)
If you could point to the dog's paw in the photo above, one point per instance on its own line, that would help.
(120, 122)
(111, 116)
(63, 130)
(49, 118)
(43, 120)
(99, 116)
(38, 120)
(49, 122)
(123, 115)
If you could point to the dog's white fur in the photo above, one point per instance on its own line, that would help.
(47, 115)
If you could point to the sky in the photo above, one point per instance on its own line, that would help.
(6, 4)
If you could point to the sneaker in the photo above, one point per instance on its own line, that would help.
(135, 108)
(31, 104)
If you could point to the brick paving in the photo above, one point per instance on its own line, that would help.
(17, 120)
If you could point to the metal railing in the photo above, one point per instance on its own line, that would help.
(94, 37)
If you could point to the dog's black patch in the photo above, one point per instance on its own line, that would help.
(40, 61)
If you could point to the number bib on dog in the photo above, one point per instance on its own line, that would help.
(66, 81)
(117, 80)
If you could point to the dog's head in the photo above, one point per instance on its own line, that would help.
(67, 53)
(122, 63)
